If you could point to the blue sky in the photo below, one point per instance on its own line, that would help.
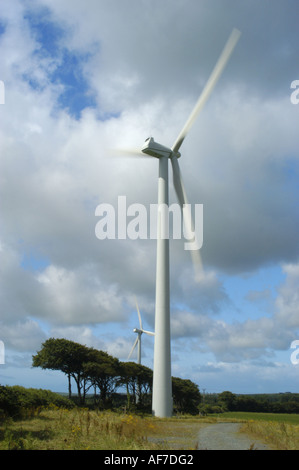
(81, 80)
(68, 71)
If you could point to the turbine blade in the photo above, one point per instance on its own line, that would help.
(129, 152)
(214, 77)
(187, 217)
(178, 182)
(139, 316)
(134, 346)
(148, 332)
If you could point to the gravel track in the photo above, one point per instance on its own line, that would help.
(226, 436)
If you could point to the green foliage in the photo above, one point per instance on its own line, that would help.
(206, 409)
(66, 356)
(102, 371)
(186, 395)
(261, 403)
(138, 380)
(18, 401)
(248, 403)
(227, 400)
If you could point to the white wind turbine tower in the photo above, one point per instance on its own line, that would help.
(162, 389)
(139, 332)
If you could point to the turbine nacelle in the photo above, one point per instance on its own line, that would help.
(136, 330)
(154, 149)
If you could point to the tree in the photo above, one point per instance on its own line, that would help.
(186, 395)
(66, 356)
(138, 380)
(102, 371)
(228, 399)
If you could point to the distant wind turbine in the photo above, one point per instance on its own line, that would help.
(139, 332)
(162, 387)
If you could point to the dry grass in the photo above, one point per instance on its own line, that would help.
(78, 429)
(278, 435)
(82, 429)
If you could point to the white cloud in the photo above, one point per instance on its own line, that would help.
(23, 335)
(74, 297)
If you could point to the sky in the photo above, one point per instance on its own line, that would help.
(83, 78)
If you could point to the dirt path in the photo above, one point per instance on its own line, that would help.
(226, 436)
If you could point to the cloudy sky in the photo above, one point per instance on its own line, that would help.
(82, 78)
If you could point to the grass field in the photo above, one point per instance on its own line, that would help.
(275, 417)
(82, 429)
(279, 431)
(77, 429)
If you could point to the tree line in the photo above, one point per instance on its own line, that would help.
(97, 371)
(263, 403)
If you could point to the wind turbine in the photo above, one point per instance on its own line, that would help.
(162, 389)
(139, 332)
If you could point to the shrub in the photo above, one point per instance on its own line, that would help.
(205, 409)
(16, 400)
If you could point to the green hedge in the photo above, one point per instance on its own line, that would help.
(16, 400)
